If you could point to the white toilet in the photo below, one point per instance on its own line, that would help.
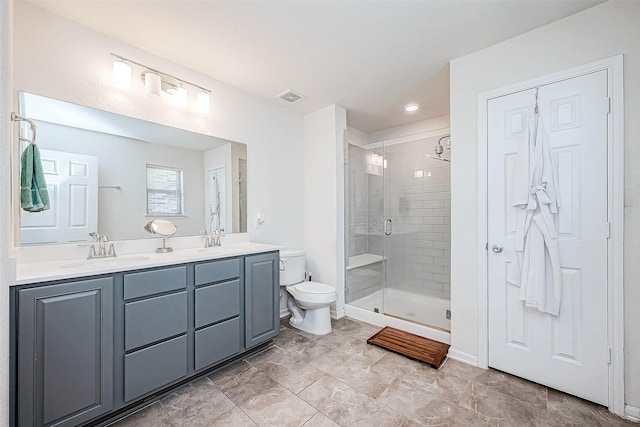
(308, 301)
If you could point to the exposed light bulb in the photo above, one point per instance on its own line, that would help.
(152, 83)
(122, 74)
(203, 102)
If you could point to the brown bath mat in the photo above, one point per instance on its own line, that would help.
(410, 345)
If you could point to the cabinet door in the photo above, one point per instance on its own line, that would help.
(262, 298)
(65, 353)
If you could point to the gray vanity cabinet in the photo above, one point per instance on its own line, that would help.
(85, 348)
(65, 352)
(262, 298)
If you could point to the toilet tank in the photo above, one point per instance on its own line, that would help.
(292, 267)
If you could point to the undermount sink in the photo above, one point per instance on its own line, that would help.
(105, 262)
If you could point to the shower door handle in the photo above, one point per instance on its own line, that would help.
(388, 229)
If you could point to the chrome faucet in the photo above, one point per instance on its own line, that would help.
(213, 239)
(102, 240)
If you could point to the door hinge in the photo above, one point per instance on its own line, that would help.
(486, 246)
(608, 230)
(609, 356)
(608, 105)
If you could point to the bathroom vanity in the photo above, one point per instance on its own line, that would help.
(89, 346)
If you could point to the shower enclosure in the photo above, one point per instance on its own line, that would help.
(398, 232)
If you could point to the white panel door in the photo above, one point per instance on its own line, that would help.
(72, 181)
(568, 352)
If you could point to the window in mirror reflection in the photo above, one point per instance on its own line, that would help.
(164, 190)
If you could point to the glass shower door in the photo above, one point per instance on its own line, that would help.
(397, 202)
(416, 233)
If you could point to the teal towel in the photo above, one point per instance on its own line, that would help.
(34, 196)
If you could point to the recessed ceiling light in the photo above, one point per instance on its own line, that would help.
(410, 108)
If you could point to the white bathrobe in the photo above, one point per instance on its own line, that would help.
(535, 194)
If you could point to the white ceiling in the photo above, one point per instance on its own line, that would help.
(372, 57)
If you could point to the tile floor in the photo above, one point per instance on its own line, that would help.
(340, 380)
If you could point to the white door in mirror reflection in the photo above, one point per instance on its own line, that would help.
(213, 194)
(72, 181)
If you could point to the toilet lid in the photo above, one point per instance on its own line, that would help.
(314, 288)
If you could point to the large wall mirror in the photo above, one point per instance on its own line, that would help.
(111, 173)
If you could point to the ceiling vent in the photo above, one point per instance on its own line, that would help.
(290, 96)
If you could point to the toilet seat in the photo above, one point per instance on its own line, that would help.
(312, 293)
(314, 288)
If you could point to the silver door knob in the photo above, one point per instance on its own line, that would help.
(497, 248)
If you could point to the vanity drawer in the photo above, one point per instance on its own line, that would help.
(154, 282)
(216, 343)
(217, 271)
(217, 302)
(154, 319)
(151, 368)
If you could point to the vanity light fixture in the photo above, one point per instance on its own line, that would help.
(410, 108)
(156, 81)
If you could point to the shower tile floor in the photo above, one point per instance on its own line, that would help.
(340, 380)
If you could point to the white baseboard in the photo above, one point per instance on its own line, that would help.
(284, 312)
(461, 356)
(337, 314)
(632, 413)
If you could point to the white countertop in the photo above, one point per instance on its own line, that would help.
(44, 271)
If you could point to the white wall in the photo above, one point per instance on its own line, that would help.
(600, 32)
(324, 197)
(63, 60)
(7, 270)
